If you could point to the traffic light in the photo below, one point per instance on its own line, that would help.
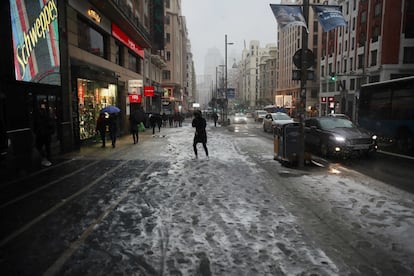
(332, 76)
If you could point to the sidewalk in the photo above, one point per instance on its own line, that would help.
(9, 172)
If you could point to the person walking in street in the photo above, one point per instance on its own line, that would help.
(215, 118)
(135, 119)
(134, 128)
(155, 121)
(200, 136)
(44, 127)
(101, 128)
(113, 128)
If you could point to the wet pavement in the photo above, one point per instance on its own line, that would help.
(152, 209)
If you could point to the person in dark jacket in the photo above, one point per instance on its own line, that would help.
(155, 121)
(101, 127)
(44, 127)
(135, 119)
(113, 128)
(215, 118)
(200, 136)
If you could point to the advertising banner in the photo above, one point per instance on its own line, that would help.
(330, 17)
(288, 16)
(35, 37)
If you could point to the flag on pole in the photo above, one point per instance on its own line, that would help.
(330, 17)
(288, 16)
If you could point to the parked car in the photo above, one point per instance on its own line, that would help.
(339, 115)
(337, 136)
(240, 118)
(259, 115)
(273, 119)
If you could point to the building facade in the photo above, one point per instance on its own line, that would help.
(377, 45)
(80, 56)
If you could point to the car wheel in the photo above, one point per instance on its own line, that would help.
(324, 149)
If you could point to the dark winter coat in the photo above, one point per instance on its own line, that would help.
(101, 124)
(44, 125)
(200, 135)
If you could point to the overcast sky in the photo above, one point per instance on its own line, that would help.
(242, 20)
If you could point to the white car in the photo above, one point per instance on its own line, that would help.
(273, 119)
(259, 115)
(240, 118)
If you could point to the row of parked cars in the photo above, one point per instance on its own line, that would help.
(332, 135)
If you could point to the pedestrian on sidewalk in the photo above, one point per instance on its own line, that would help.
(44, 127)
(101, 127)
(200, 135)
(215, 118)
(113, 128)
(136, 118)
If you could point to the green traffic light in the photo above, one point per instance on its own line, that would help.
(333, 77)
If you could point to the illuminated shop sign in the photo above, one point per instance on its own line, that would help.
(134, 86)
(135, 98)
(149, 91)
(124, 38)
(36, 41)
(94, 15)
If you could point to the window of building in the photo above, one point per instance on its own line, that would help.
(166, 75)
(134, 63)
(119, 57)
(352, 84)
(352, 43)
(377, 9)
(345, 63)
(351, 64)
(353, 24)
(167, 4)
(363, 17)
(167, 37)
(167, 20)
(374, 57)
(91, 40)
(375, 33)
(322, 71)
(168, 57)
(408, 55)
(409, 24)
(314, 93)
(360, 61)
(354, 4)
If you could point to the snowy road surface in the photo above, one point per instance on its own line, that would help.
(238, 213)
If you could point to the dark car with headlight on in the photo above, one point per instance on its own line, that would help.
(331, 136)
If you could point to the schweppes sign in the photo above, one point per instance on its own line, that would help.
(36, 40)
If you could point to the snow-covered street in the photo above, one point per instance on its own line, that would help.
(231, 213)
(237, 213)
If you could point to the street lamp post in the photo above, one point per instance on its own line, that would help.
(225, 75)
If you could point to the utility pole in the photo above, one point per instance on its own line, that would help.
(303, 79)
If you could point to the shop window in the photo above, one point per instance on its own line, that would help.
(91, 40)
(92, 97)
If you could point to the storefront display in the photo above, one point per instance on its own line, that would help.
(93, 96)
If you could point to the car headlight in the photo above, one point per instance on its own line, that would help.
(338, 138)
(374, 137)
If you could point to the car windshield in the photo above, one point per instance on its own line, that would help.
(281, 116)
(331, 123)
(240, 115)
